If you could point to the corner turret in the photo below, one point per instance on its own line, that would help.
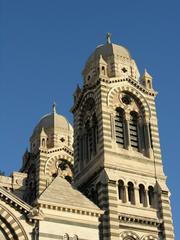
(146, 80)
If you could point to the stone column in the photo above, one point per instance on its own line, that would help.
(148, 139)
(126, 194)
(146, 198)
(136, 196)
(127, 132)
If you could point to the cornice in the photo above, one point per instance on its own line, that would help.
(19, 205)
(130, 80)
(54, 150)
(64, 208)
(124, 218)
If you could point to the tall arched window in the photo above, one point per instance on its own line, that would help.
(121, 190)
(131, 197)
(133, 128)
(88, 141)
(119, 126)
(151, 196)
(43, 142)
(142, 195)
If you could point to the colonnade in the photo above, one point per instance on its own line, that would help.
(136, 195)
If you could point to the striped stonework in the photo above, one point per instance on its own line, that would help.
(11, 225)
(128, 146)
(166, 215)
(107, 198)
(41, 179)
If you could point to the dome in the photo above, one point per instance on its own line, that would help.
(109, 49)
(54, 129)
(110, 60)
(53, 121)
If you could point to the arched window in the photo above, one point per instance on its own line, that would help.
(88, 141)
(142, 196)
(133, 128)
(121, 190)
(149, 84)
(75, 237)
(119, 126)
(103, 70)
(43, 142)
(66, 236)
(151, 196)
(131, 197)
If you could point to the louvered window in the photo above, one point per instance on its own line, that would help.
(133, 129)
(119, 126)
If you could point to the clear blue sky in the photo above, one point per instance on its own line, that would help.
(44, 46)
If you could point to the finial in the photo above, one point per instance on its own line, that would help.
(54, 107)
(146, 74)
(108, 38)
(77, 87)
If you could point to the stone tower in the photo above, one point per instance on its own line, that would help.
(117, 157)
(51, 154)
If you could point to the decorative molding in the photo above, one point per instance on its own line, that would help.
(14, 201)
(133, 82)
(130, 234)
(124, 218)
(135, 93)
(50, 161)
(70, 210)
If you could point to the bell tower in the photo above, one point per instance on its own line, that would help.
(51, 154)
(117, 156)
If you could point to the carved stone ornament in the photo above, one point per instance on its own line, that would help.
(75, 237)
(66, 236)
(35, 213)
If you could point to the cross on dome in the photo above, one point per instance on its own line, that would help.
(54, 107)
(108, 38)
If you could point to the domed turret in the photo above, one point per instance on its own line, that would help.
(110, 60)
(53, 130)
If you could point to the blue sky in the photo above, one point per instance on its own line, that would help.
(44, 46)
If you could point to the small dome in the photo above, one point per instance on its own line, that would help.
(109, 49)
(53, 121)
(54, 129)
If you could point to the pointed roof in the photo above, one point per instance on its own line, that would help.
(60, 192)
(43, 132)
(146, 74)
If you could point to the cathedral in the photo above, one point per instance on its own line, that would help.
(101, 179)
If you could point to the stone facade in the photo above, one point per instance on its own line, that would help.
(103, 179)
